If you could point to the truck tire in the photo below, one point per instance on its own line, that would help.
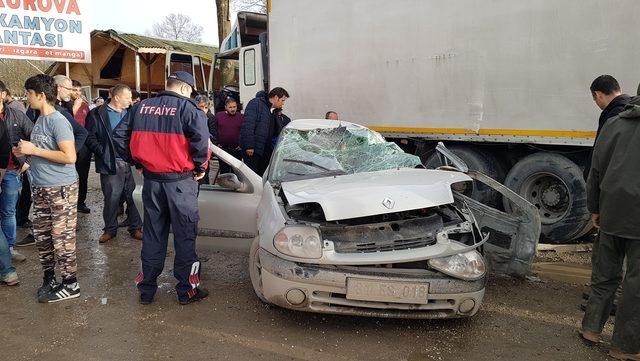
(255, 268)
(477, 160)
(555, 185)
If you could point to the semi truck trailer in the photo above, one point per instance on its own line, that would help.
(504, 84)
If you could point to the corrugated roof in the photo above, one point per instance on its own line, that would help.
(136, 42)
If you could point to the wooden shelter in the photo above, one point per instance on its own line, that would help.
(141, 62)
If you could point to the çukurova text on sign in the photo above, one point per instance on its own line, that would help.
(44, 29)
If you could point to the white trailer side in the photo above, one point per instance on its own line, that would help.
(496, 71)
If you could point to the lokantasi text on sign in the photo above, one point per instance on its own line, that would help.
(45, 29)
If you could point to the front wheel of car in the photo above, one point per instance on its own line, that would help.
(255, 268)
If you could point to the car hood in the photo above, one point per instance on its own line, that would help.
(367, 194)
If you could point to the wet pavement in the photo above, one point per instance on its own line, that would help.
(520, 319)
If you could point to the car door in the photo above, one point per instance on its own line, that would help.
(228, 212)
(513, 237)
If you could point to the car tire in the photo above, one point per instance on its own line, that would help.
(481, 161)
(555, 185)
(254, 268)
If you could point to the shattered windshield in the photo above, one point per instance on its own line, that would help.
(334, 151)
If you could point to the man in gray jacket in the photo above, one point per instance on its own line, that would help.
(613, 196)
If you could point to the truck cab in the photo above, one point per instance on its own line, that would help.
(239, 67)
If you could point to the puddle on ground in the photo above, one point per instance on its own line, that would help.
(564, 272)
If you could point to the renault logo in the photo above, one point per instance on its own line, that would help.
(388, 202)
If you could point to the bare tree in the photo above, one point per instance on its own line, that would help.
(258, 6)
(14, 72)
(178, 27)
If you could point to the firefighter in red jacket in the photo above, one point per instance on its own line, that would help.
(167, 137)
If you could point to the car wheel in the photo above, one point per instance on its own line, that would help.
(255, 268)
(555, 185)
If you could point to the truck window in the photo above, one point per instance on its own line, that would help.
(249, 67)
(181, 62)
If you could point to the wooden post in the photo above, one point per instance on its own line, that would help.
(148, 61)
(137, 72)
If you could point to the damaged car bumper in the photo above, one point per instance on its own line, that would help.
(368, 290)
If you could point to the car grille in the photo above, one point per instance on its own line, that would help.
(382, 246)
(384, 236)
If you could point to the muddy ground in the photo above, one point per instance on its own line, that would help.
(520, 320)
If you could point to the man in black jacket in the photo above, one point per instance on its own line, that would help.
(263, 120)
(16, 126)
(115, 174)
(607, 95)
(204, 104)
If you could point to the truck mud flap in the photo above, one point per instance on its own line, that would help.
(513, 238)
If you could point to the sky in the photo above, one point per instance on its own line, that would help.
(137, 16)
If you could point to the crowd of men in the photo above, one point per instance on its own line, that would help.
(45, 158)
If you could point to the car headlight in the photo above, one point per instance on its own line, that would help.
(467, 266)
(299, 241)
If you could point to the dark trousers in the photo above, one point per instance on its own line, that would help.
(24, 202)
(236, 153)
(257, 162)
(172, 204)
(113, 188)
(607, 269)
(83, 164)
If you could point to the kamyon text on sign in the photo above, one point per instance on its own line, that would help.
(45, 29)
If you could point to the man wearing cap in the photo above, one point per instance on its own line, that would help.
(167, 138)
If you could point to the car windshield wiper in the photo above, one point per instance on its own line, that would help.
(296, 176)
(309, 163)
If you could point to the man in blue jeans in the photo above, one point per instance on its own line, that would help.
(17, 126)
(8, 199)
(8, 273)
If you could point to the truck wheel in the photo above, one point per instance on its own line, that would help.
(555, 185)
(479, 161)
(255, 268)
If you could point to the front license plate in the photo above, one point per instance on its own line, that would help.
(387, 291)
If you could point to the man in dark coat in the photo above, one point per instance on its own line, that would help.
(613, 195)
(263, 121)
(607, 95)
(116, 178)
(205, 105)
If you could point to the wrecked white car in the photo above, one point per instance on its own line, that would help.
(345, 222)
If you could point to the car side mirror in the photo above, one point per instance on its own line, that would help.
(229, 181)
(449, 159)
